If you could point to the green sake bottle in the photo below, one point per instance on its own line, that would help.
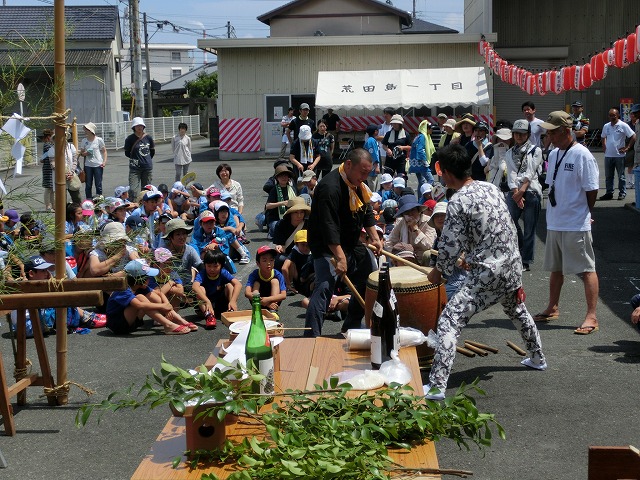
(258, 348)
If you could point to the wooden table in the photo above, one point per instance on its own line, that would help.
(303, 363)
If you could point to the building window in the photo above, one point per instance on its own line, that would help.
(175, 56)
(176, 72)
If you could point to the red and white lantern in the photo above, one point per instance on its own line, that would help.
(632, 48)
(556, 81)
(619, 53)
(598, 67)
(609, 57)
(585, 76)
(540, 82)
(567, 78)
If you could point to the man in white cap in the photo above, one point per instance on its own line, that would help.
(303, 119)
(573, 182)
(139, 148)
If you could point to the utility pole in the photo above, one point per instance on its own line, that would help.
(228, 29)
(146, 49)
(136, 60)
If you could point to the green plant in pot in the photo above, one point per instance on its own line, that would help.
(329, 432)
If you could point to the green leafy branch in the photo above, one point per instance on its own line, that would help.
(324, 433)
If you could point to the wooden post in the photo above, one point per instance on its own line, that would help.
(59, 72)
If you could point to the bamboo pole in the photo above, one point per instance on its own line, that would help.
(59, 71)
(77, 285)
(17, 301)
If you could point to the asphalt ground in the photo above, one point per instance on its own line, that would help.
(588, 396)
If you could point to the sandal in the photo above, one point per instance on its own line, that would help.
(179, 330)
(192, 326)
(546, 317)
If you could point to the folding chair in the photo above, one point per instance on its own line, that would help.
(593, 139)
(345, 145)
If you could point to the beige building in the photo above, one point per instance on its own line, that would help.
(262, 77)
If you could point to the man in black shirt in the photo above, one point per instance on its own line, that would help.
(339, 211)
(333, 122)
(297, 122)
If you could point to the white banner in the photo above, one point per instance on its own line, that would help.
(376, 89)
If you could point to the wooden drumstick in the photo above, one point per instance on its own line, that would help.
(402, 260)
(516, 348)
(351, 286)
(482, 346)
(479, 351)
(465, 352)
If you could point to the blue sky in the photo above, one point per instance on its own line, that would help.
(212, 15)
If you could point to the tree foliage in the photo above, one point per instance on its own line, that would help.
(204, 86)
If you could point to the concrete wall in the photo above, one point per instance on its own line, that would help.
(581, 31)
(334, 17)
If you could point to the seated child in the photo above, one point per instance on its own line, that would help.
(168, 283)
(386, 188)
(127, 308)
(297, 268)
(216, 289)
(266, 280)
(228, 225)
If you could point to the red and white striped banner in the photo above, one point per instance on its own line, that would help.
(240, 135)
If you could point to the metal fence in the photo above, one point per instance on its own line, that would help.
(160, 128)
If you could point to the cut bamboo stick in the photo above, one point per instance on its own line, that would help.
(516, 348)
(465, 352)
(482, 346)
(404, 261)
(477, 350)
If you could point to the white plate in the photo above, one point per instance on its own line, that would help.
(237, 327)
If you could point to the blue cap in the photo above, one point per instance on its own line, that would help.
(139, 268)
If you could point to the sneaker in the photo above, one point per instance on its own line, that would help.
(622, 196)
(244, 260)
(433, 393)
(210, 321)
(99, 320)
(527, 362)
(526, 267)
(606, 196)
(274, 314)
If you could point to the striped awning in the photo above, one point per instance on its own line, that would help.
(74, 58)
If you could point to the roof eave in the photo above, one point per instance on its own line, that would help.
(214, 44)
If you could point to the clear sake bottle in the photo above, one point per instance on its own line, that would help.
(258, 349)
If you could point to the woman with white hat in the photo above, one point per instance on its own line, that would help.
(93, 150)
(397, 143)
(139, 148)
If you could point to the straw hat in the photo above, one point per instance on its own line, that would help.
(467, 118)
(297, 204)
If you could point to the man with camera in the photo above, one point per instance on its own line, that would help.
(572, 177)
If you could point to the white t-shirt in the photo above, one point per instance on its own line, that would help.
(94, 151)
(616, 136)
(382, 131)
(577, 174)
(536, 131)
